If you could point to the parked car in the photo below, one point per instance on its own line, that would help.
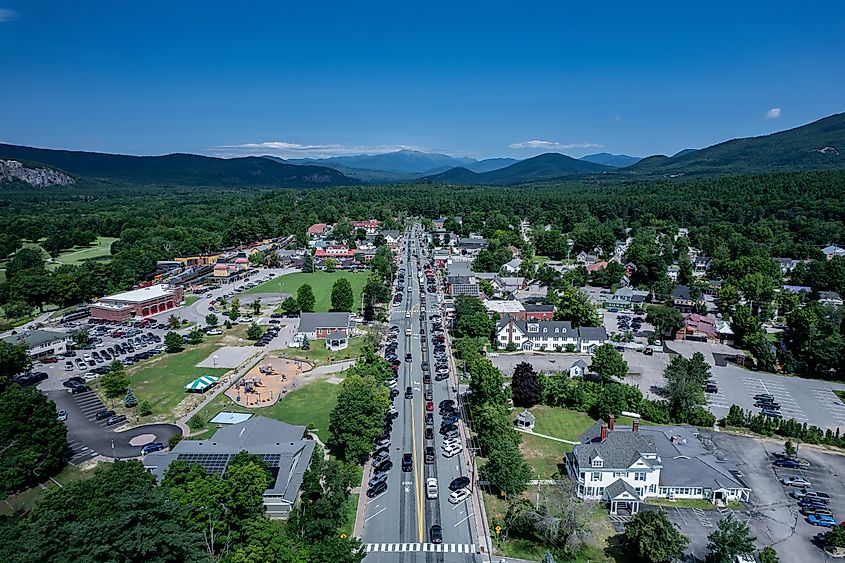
(62, 415)
(116, 420)
(821, 520)
(377, 489)
(104, 414)
(152, 447)
(435, 534)
(459, 483)
(786, 462)
(795, 481)
(459, 496)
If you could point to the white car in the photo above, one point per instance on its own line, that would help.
(452, 450)
(795, 481)
(459, 496)
(451, 442)
(214, 332)
(244, 320)
(431, 488)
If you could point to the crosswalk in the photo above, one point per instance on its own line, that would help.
(421, 547)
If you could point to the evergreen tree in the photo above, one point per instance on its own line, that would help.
(342, 296)
(130, 400)
(305, 297)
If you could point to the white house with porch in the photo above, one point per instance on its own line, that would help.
(625, 467)
(534, 335)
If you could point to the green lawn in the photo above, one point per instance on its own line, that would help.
(840, 394)
(351, 510)
(191, 299)
(701, 503)
(560, 423)
(319, 354)
(161, 380)
(76, 255)
(543, 455)
(321, 283)
(309, 405)
(26, 500)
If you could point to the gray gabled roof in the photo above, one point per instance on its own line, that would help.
(579, 363)
(310, 322)
(615, 490)
(619, 450)
(33, 338)
(563, 327)
(592, 333)
(282, 446)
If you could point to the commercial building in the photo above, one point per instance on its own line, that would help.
(283, 447)
(137, 303)
(41, 343)
(624, 467)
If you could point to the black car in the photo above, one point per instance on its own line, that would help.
(435, 534)
(116, 420)
(429, 433)
(448, 428)
(429, 419)
(429, 455)
(459, 483)
(409, 393)
(446, 403)
(79, 389)
(385, 465)
(74, 380)
(449, 420)
(407, 462)
(377, 489)
(394, 393)
(102, 415)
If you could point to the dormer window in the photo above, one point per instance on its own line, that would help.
(533, 328)
(545, 329)
(598, 462)
(557, 330)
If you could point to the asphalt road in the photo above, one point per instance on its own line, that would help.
(88, 438)
(397, 523)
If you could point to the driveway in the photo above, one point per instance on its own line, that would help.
(88, 438)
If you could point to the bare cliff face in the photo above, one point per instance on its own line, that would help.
(11, 170)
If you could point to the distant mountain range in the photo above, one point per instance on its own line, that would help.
(180, 169)
(816, 146)
(617, 160)
(537, 169)
(819, 145)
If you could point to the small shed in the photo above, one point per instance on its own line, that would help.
(525, 420)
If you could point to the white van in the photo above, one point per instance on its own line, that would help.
(431, 488)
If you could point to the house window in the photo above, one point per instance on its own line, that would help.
(620, 474)
(698, 491)
(639, 476)
(599, 491)
(596, 476)
(664, 490)
(589, 491)
(598, 463)
(652, 488)
(583, 476)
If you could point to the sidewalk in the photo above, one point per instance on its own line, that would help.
(529, 431)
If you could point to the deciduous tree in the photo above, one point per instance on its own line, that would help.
(305, 297)
(730, 539)
(525, 386)
(650, 536)
(342, 296)
(609, 363)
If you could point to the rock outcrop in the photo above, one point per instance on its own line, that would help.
(11, 170)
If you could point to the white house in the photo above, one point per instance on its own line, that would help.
(532, 334)
(578, 368)
(624, 467)
(41, 343)
(513, 266)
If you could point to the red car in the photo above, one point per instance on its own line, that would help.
(429, 406)
(49, 361)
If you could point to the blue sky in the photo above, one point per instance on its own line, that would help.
(489, 79)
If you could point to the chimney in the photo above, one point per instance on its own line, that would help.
(635, 426)
(610, 423)
(603, 431)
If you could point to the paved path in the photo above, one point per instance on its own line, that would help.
(527, 431)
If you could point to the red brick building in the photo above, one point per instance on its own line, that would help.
(137, 303)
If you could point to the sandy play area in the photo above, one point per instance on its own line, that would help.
(267, 382)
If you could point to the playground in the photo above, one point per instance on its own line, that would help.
(267, 382)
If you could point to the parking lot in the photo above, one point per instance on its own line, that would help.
(772, 515)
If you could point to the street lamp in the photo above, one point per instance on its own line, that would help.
(114, 458)
(214, 359)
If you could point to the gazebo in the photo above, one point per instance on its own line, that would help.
(337, 341)
(201, 384)
(525, 420)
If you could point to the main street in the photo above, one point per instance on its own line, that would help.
(398, 522)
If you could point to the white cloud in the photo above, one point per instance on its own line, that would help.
(536, 144)
(773, 113)
(7, 15)
(285, 149)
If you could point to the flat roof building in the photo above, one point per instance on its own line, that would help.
(137, 303)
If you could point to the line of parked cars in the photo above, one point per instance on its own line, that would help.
(625, 323)
(812, 503)
(767, 405)
(268, 335)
